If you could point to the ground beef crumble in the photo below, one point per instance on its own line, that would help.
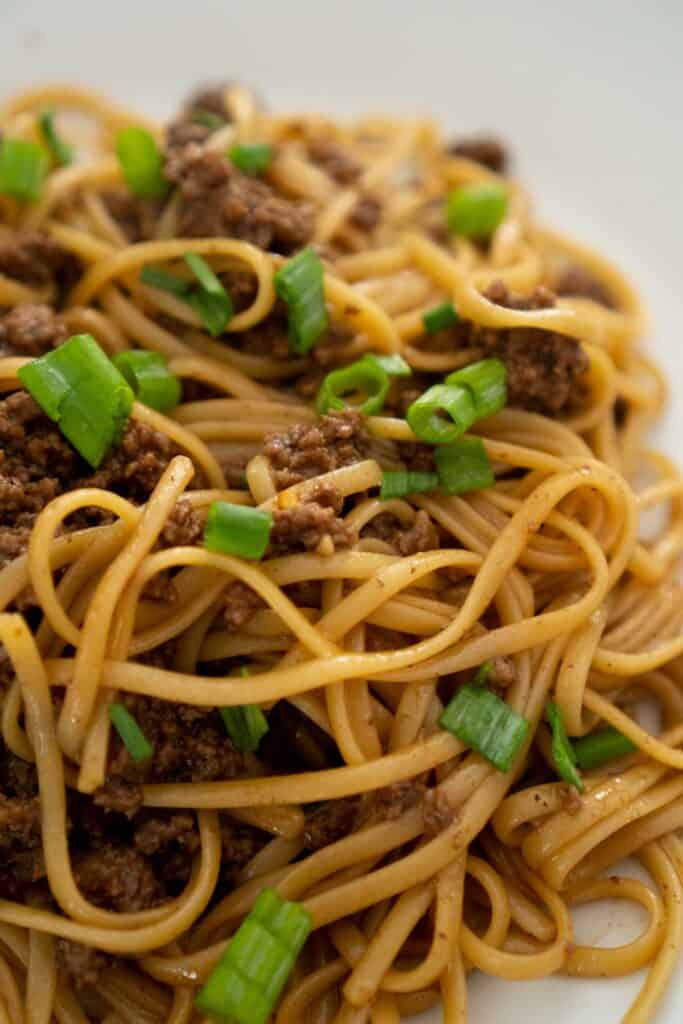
(421, 535)
(308, 450)
(30, 330)
(307, 524)
(36, 259)
(484, 149)
(218, 200)
(335, 160)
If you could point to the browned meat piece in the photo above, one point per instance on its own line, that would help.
(183, 526)
(209, 99)
(119, 796)
(577, 280)
(422, 535)
(366, 214)
(36, 259)
(136, 217)
(240, 603)
(240, 844)
(21, 851)
(335, 160)
(308, 450)
(190, 745)
(81, 964)
(269, 338)
(158, 834)
(307, 524)
(218, 200)
(484, 150)
(545, 370)
(117, 878)
(330, 822)
(160, 588)
(30, 330)
(135, 466)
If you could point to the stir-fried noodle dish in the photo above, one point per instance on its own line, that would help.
(341, 624)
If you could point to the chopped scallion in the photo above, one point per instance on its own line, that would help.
(141, 162)
(364, 377)
(463, 466)
(211, 300)
(155, 277)
(398, 483)
(252, 159)
(151, 380)
(442, 414)
(599, 747)
(246, 726)
(395, 365)
(487, 724)
(564, 757)
(60, 151)
(300, 284)
(439, 318)
(237, 530)
(487, 383)
(81, 389)
(23, 166)
(132, 736)
(475, 211)
(248, 980)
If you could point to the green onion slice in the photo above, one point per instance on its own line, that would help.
(564, 757)
(487, 382)
(300, 283)
(439, 318)
(23, 166)
(79, 388)
(252, 159)
(256, 963)
(155, 277)
(132, 736)
(60, 151)
(599, 747)
(237, 530)
(246, 726)
(141, 162)
(398, 483)
(211, 300)
(364, 377)
(395, 365)
(150, 378)
(475, 211)
(487, 724)
(463, 466)
(442, 414)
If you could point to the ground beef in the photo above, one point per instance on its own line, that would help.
(269, 339)
(307, 450)
(209, 99)
(335, 160)
(157, 834)
(484, 150)
(240, 603)
(390, 802)
(36, 259)
(578, 281)
(136, 217)
(30, 330)
(160, 588)
(21, 853)
(307, 524)
(183, 526)
(366, 213)
(190, 745)
(330, 822)
(81, 964)
(118, 878)
(218, 200)
(37, 464)
(422, 535)
(545, 370)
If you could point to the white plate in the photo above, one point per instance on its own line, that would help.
(589, 95)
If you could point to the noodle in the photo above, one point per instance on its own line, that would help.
(417, 860)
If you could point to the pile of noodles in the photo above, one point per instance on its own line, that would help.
(589, 609)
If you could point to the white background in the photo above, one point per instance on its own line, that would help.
(589, 94)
